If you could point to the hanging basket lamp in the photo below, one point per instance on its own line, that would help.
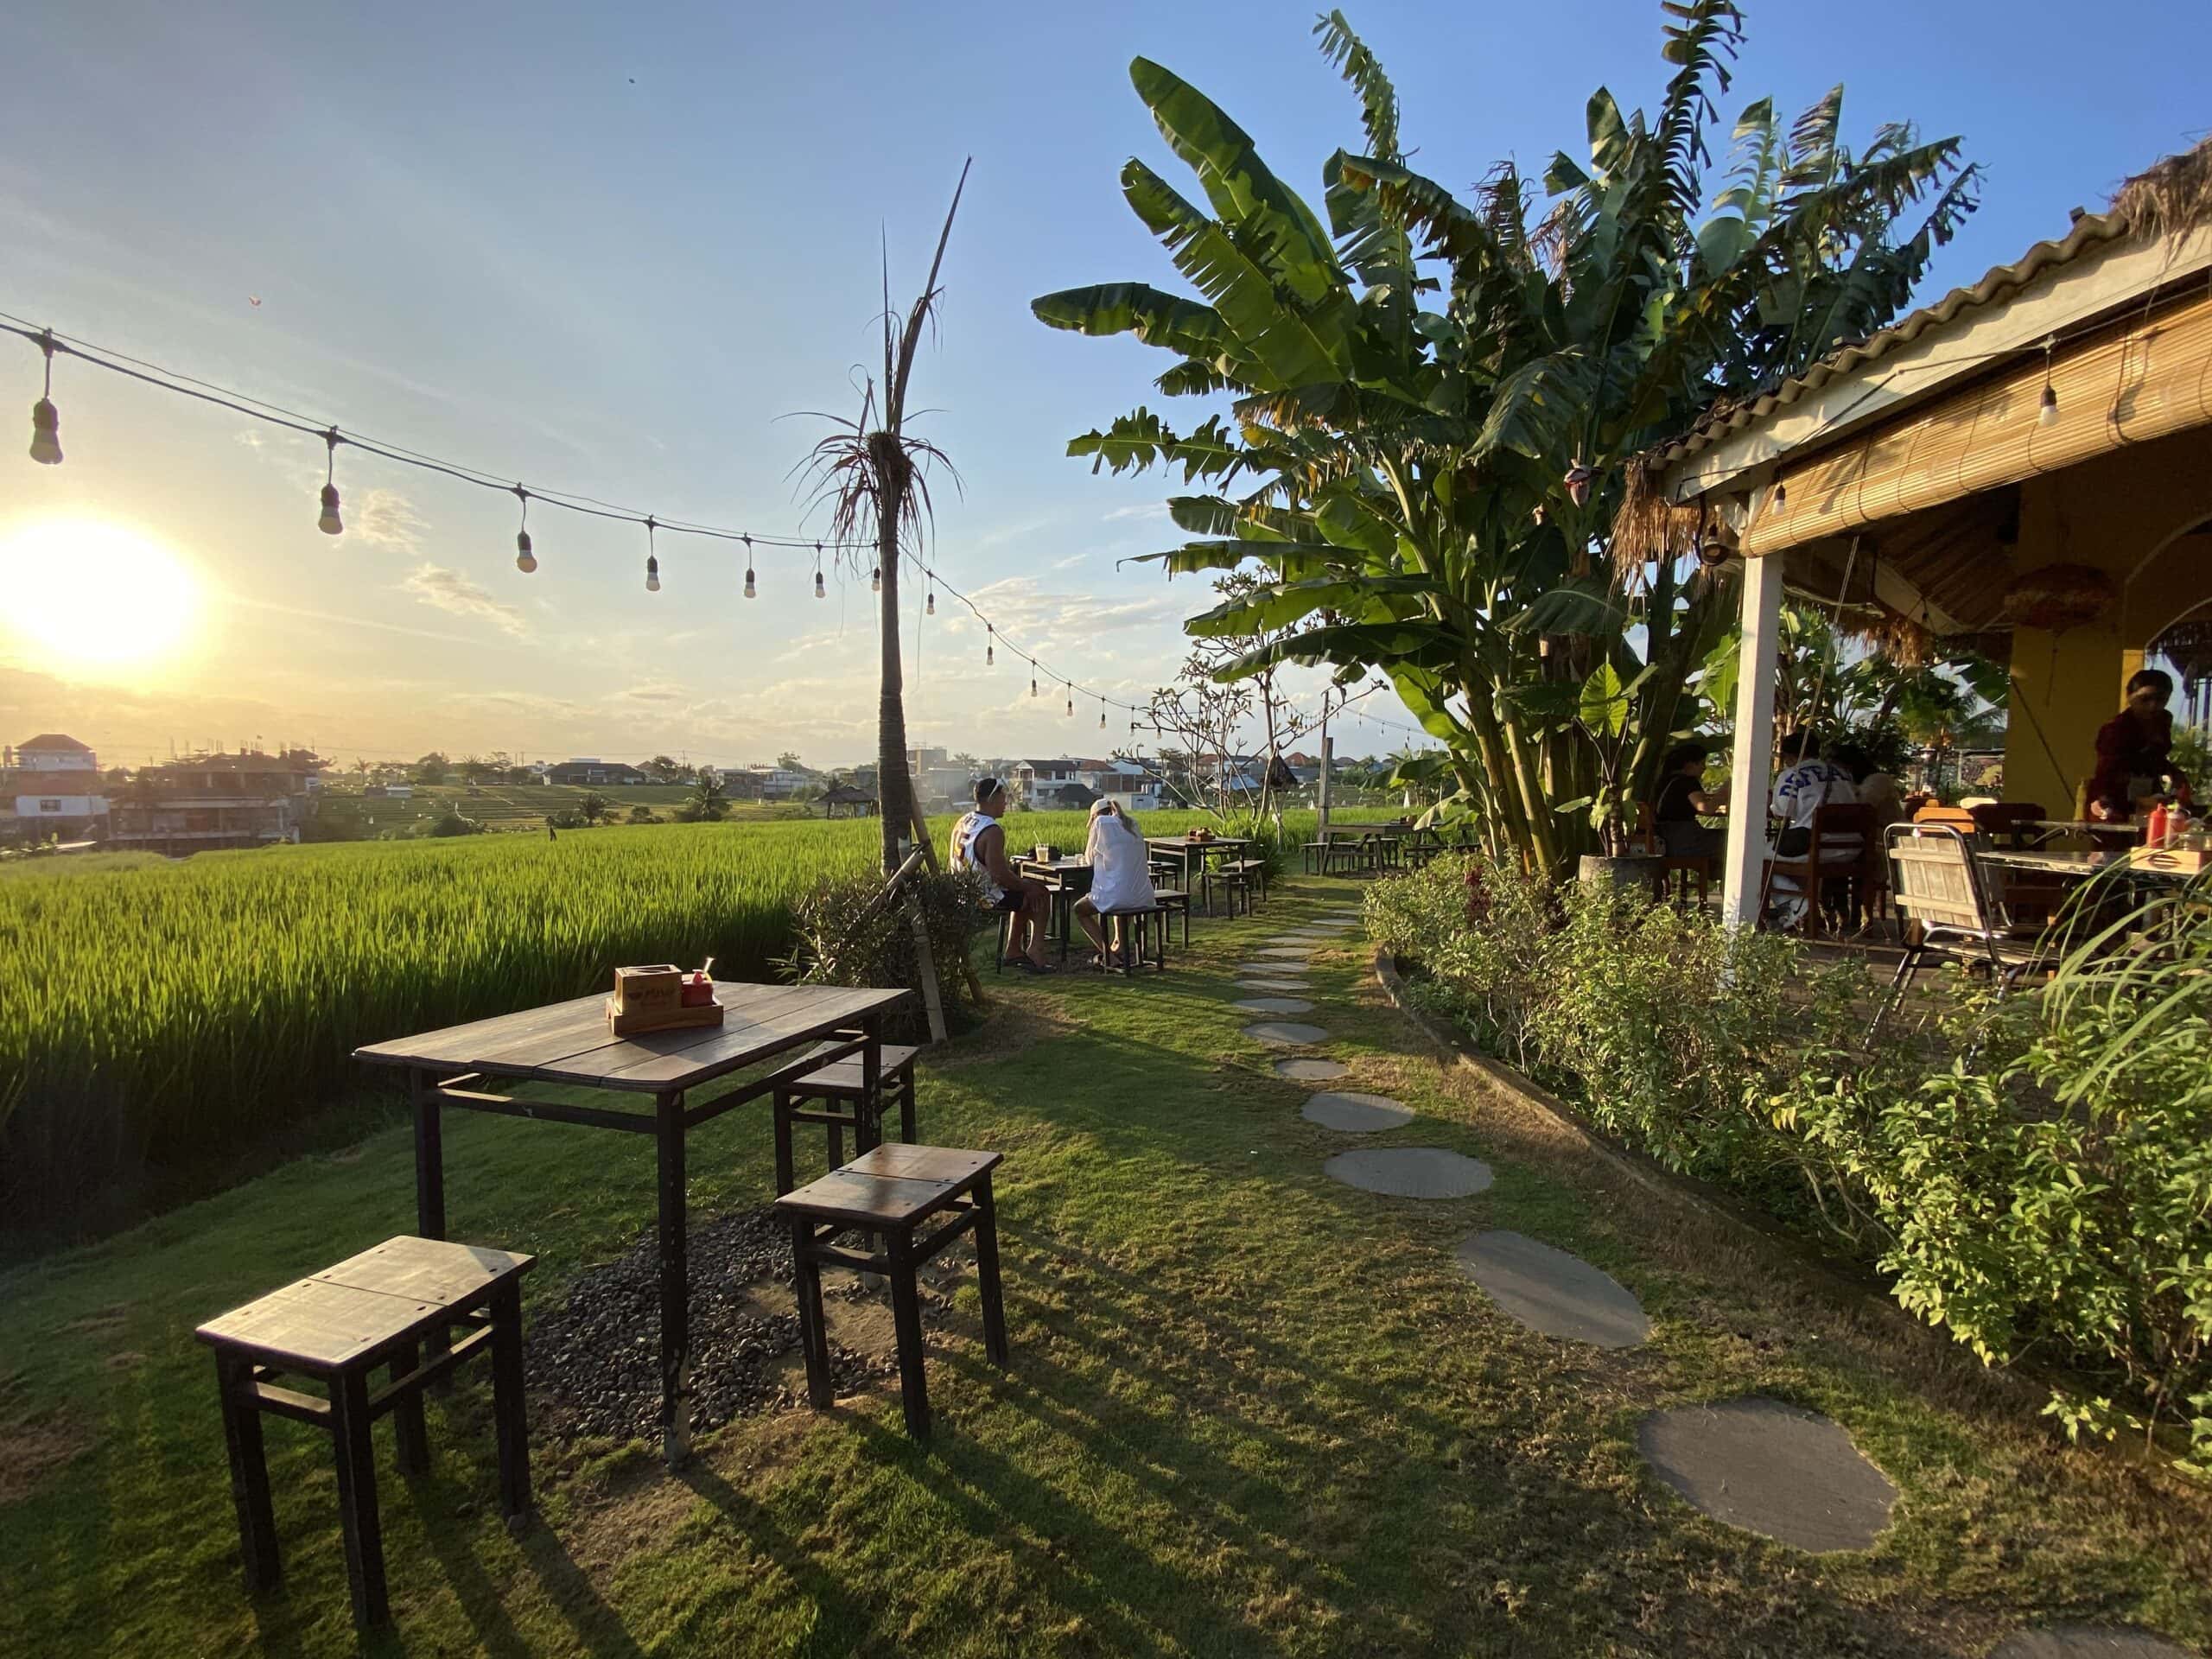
(2056, 597)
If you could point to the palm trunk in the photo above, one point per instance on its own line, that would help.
(894, 783)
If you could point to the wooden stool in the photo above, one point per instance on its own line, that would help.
(889, 1192)
(382, 1307)
(840, 1087)
(1175, 902)
(1143, 938)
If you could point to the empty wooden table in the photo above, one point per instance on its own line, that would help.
(569, 1043)
(1191, 856)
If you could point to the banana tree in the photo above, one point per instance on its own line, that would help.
(1428, 488)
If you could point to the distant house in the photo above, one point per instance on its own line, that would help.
(937, 782)
(590, 771)
(1034, 781)
(781, 783)
(844, 800)
(52, 785)
(212, 802)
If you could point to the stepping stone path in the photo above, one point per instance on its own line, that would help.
(1274, 1005)
(1787, 1473)
(1285, 1034)
(1550, 1291)
(1306, 1070)
(2087, 1641)
(1284, 952)
(1356, 1113)
(1410, 1171)
(1264, 982)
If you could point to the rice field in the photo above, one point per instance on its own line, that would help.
(156, 1013)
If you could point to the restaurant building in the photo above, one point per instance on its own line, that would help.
(213, 802)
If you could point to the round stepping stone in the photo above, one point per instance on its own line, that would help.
(1356, 1113)
(1550, 1291)
(2087, 1641)
(1285, 1034)
(1306, 1071)
(1284, 952)
(1790, 1474)
(1410, 1171)
(1274, 987)
(1330, 927)
(1274, 1005)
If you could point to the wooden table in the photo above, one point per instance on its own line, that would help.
(1067, 879)
(569, 1043)
(1183, 846)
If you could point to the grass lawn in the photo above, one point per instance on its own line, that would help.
(1250, 1411)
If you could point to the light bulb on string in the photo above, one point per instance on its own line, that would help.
(875, 580)
(525, 560)
(45, 420)
(2048, 413)
(1033, 680)
(751, 591)
(1780, 495)
(653, 559)
(329, 521)
(1071, 703)
(820, 592)
(1102, 714)
(990, 645)
(929, 608)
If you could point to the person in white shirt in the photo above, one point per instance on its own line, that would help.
(1807, 784)
(1121, 870)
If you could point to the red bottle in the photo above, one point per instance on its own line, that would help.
(2154, 833)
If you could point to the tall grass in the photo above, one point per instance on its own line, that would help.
(153, 1015)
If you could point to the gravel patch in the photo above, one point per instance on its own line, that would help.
(593, 1361)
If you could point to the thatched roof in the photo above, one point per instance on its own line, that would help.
(2169, 199)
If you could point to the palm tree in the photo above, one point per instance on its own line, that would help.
(872, 472)
(709, 802)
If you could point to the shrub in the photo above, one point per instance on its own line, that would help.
(848, 935)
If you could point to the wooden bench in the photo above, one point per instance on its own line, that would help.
(888, 1193)
(842, 1091)
(386, 1307)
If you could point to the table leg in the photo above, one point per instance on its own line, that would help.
(358, 1524)
(509, 1412)
(407, 1426)
(249, 1472)
(867, 1131)
(907, 1318)
(430, 1159)
(813, 1336)
(675, 1284)
(986, 1270)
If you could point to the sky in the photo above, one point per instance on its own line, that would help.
(634, 253)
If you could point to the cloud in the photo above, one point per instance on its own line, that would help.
(386, 518)
(662, 693)
(451, 591)
(1141, 510)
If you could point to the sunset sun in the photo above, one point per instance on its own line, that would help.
(77, 594)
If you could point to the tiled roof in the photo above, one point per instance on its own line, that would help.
(52, 742)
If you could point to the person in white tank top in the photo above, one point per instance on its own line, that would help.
(979, 844)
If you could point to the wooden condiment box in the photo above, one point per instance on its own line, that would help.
(656, 989)
(2182, 861)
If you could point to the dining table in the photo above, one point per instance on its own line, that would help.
(570, 1043)
(1191, 856)
(1066, 880)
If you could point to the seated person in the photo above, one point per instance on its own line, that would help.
(2135, 766)
(979, 844)
(1807, 784)
(1877, 788)
(1682, 799)
(1121, 871)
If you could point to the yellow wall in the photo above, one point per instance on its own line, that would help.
(2118, 513)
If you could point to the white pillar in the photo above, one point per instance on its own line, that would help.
(1748, 783)
(1328, 760)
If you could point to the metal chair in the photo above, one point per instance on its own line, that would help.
(1937, 881)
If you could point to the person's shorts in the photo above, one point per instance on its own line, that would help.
(1009, 902)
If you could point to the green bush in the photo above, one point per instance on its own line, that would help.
(2048, 1191)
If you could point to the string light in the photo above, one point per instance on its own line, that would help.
(1102, 714)
(45, 420)
(1071, 703)
(653, 559)
(990, 645)
(1033, 681)
(329, 523)
(2047, 415)
(875, 577)
(820, 592)
(1780, 495)
(525, 560)
(751, 592)
(930, 608)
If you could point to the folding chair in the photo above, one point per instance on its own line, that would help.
(1937, 881)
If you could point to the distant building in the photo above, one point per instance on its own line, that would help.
(52, 789)
(212, 802)
(781, 783)
(590, 771)
(937, 782)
